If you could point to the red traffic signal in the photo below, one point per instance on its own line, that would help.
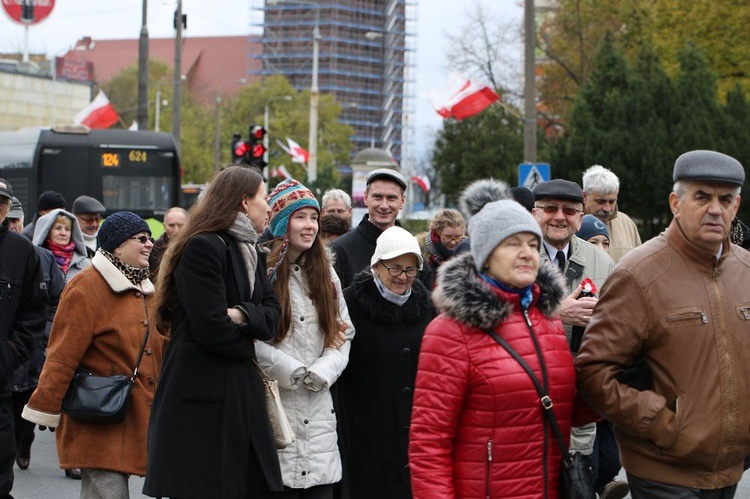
(257, 151)
(241, 149)
(257, 133)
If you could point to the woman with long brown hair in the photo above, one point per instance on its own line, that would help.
(209, 434)
(311, 347)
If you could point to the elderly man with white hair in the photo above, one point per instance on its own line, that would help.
(600, 189)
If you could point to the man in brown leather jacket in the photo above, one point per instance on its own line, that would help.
(681, 302)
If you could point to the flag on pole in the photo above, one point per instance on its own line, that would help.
(423, 181)
(296, 151)
(298, 154)
(281, 171)
(461, 97)
(98, 114)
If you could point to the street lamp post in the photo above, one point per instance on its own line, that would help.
(312, 164)
(266, 143)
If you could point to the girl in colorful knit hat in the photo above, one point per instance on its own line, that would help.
(312, 346)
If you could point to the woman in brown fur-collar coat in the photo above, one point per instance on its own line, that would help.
(100, 324)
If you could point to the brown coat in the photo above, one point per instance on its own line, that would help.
(688, 315)
(100, 324)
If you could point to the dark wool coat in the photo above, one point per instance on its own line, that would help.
(477, 426)
(376, 388)
(209, 433)
(26, 377)
(23, 304)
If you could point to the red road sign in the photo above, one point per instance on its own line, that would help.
(14, 9)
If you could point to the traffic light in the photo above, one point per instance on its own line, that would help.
(239, 148)
(256, 149)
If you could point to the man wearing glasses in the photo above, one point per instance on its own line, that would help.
(558, 209)
(89, 212)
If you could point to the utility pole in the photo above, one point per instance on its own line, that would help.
(177, 98)
(529, 90)
(142, 115)
(312, 164)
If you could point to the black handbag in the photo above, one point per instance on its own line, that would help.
(576, 480)
(100, 399)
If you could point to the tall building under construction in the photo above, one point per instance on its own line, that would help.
(366, 61)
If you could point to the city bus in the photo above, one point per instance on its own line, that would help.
(125, 170)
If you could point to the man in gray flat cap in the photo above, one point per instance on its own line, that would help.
(681, 304)
(89, 212)
(558, 209)
(385, 195)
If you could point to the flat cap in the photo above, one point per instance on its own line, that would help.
(16, 210)
(5, 189)
(386, 174)
(708, 166)
(560, 189)
(87, 204)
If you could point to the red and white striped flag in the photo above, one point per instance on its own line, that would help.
(423, 181)
(98, 114)
(461, 98)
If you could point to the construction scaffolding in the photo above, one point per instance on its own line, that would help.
(366, 61)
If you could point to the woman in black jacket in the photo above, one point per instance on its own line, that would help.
(390, 310)
(209, 434)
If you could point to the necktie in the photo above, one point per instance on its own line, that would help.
(560, 259)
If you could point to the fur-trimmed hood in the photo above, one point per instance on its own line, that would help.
(464, 296)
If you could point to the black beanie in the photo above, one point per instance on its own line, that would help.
(118, 227)
(51, 200)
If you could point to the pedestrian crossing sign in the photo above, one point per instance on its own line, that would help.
(532, 174)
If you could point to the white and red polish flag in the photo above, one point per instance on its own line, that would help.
(297, 152)
(423, 181)
(98, 114)
(460, 97)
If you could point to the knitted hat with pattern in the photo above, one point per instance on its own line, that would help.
(288, 197)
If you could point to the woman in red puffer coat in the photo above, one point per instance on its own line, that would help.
(477, 428)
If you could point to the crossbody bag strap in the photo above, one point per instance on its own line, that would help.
(143, 343)
(262, 373)
(544, 398)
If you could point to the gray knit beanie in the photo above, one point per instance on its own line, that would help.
(118, 227)
(495, 222)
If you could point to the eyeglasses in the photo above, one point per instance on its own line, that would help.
(397, 271)
(90, 220)
(552, 209)
(455, 239)
(143, 239)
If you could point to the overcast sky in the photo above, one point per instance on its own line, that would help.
(114, 19)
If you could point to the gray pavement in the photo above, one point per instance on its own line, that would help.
(44, 480)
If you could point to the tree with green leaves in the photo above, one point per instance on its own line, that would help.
(635, 120)
(489, 144)
(289, 118)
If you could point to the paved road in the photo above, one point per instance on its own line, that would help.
(44, 480)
